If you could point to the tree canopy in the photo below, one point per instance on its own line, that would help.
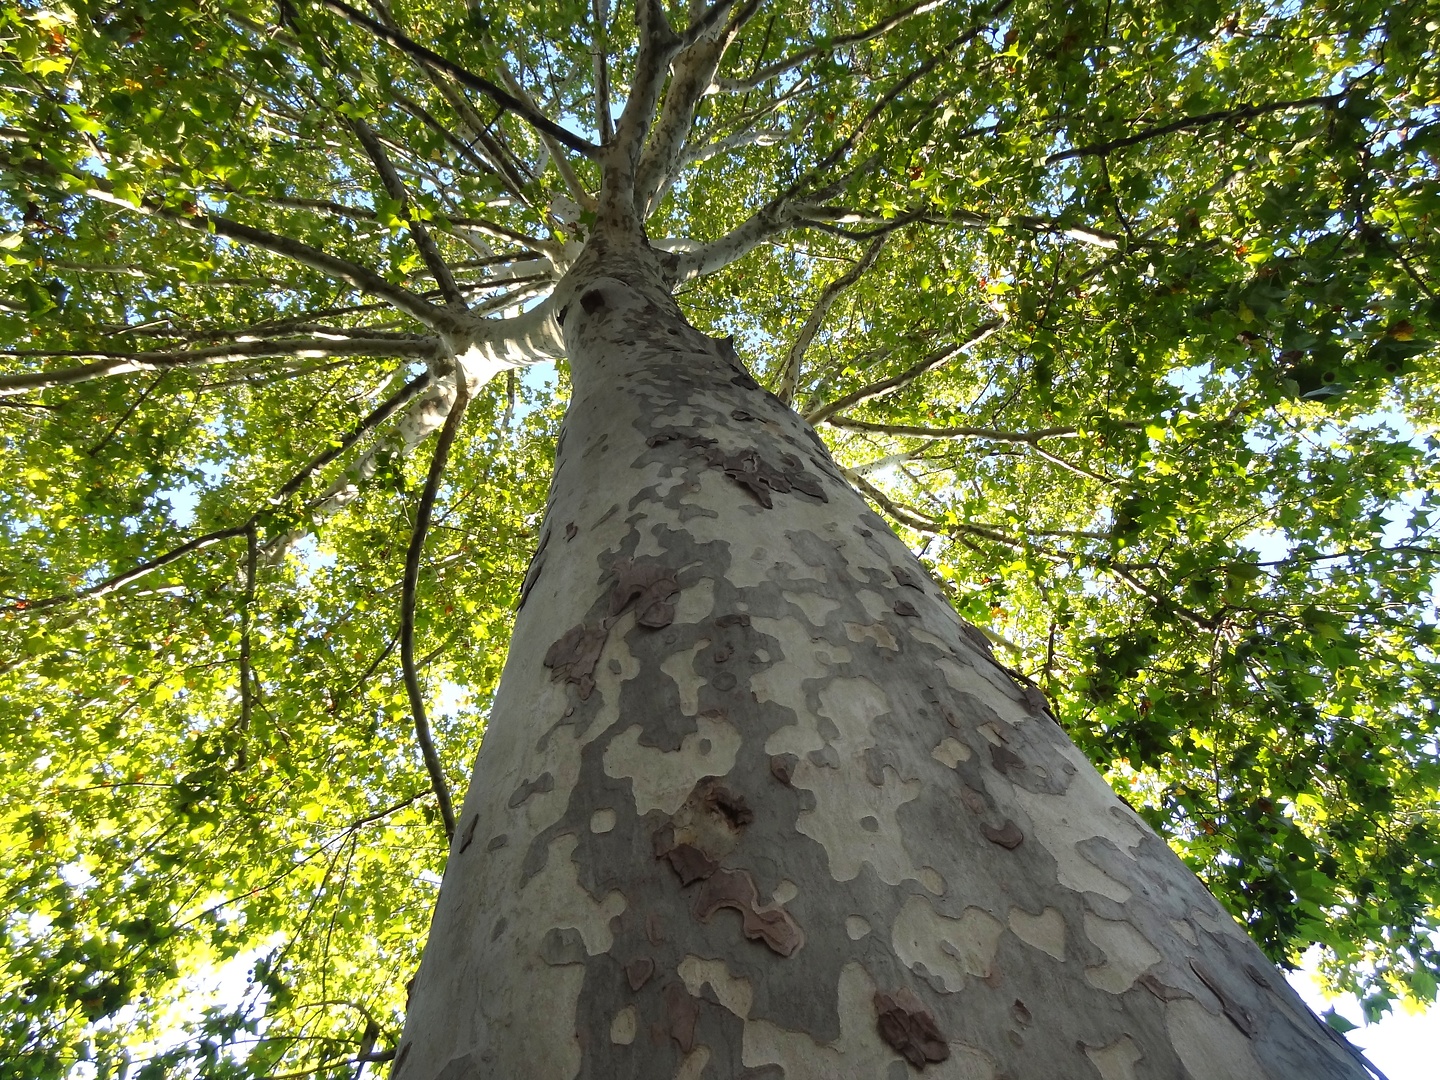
(1123, 313)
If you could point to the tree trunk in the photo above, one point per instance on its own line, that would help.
(754, 802)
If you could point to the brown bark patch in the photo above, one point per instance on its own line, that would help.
(1007, 836)
(736, 889)
(638, 972)
(649, 586)
(909, 1028)
(683, 1012)
(573, 658)
(690, 863)
(782, 767)
(906, 577)
(468, 835)
(905, 608)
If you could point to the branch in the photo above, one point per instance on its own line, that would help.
(109, 364)
(790, 372)
(200, 543)
(1240, 112)
(557, 152)
(340, 269)
(252, 553)
(735, 245)
(875, 389)
(506, 101)
(119, 581)
(407, 604)
(761, 76)
(990, 434)
(395, 188)
(1030, 438)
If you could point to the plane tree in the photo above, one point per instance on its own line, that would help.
(1119, 318)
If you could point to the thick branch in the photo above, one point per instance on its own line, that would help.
(790, 372)
(658, 45)
(505, 100)
(914, 371)
(599, 48)
(407, 605)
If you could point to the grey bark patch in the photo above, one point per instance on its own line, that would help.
(1004, 759)
(906, 577)
(638, 972)
(1236, 1013)
(909, 1028)
(1021, 1012)
(827, 757)
(562, 945)
(500, 926)
(541, 784)
(1007, 835)
(400, 1058)
(870, 823)
(1162, 990)
(462, 1067)
(497, 842)
(724, 681)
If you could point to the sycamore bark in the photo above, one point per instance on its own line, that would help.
(753, 801)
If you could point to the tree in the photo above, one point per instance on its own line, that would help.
(1119, 317)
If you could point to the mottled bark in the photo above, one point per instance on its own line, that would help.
(754, 802)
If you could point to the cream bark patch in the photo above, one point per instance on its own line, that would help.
(951, 752)
(623, 1027)
(877, 633)
(1210, 1046)
(950, 949)
(1117, 1060)
(1127, 954)
(815, 608)
(1045, 931)
(662, 779)
(680, 667)
(732, 993)
(1060, 822)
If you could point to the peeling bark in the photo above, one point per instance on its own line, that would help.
(756, 803)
